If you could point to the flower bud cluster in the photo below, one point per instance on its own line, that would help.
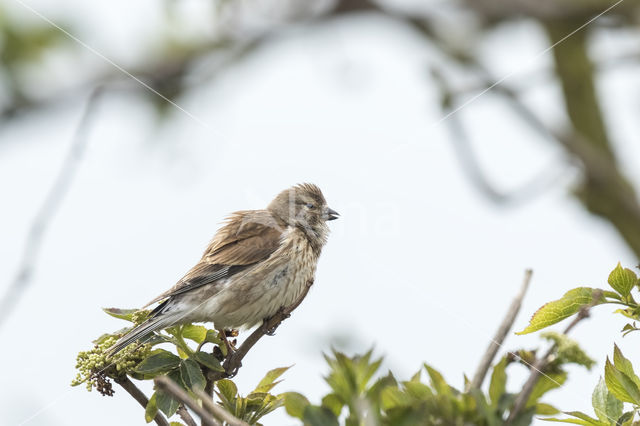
(95, 366)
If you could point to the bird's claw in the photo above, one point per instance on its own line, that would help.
(231, 374)
(272, 330)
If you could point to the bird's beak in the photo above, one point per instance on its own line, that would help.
(331, 214)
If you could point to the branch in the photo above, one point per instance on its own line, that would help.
(501, 334)
(184, 415)
(541, 363)
(470, 165)
(49, 208)
(218, 412)
(234, 361)
(139, 396)
(167, 385)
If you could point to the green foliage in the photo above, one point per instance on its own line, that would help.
(255, 405)
(621, 280)
(144, 362)
(556, 311)
(607, 400)
(620, 384)
(357, 397)
(568, 350)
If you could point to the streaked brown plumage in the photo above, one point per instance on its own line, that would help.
(257, 263)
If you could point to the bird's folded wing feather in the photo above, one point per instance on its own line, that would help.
(247, 238)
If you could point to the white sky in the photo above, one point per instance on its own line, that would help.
(419, 264)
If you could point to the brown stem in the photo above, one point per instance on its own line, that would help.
(501, 334)
(139, 396)
(186, 417)
(167, 385)
(207, 395)
(234, 361)
(541, 363)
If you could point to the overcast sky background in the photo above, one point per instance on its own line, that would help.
(419, 265)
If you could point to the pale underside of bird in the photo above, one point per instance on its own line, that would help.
(259, 262)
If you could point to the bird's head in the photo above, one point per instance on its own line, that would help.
(304, 206)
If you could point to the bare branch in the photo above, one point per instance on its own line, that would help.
(49, 208)
(167, 385)
(501, 334)
(541, 364)
(139, 396)
(471, 166)
(186, 417)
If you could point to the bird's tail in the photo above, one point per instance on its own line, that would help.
(140, 332)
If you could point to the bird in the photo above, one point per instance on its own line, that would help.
(258, 262)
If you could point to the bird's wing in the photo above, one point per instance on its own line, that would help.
(248, 237)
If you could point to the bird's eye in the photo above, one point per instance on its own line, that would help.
(310, 206)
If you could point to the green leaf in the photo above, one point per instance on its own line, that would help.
(437, 381)
(605, 404)
(268, 382)
(543, 409)
(182, 353)
(125, 314)
(585, 417)
(333, 403)
(319, 416)
(192, 375)
(295, 403)
(151, 409)
(498, 384)
(572, 421)
(568, 350)
(581, 419)
(159, 361)
(624, 365)
(212, 337)
(626, 417)
(556, 311)
(208, 360)
(546, 383)
(197, 333)
(417, 390)
(622, 280)
(166, 403)
(620, 385)
(393, 397)
(484, 409)
(227, 389)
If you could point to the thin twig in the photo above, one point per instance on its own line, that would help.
(48, 209)
(541, 363)
(218, 412)
(234, 361)
(167, 385)
(139, 396)
(186, 417)
(501, 334)
(208, 389)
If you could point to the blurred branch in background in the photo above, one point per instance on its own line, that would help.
(49, 208)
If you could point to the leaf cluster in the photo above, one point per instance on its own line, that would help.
(358, 397)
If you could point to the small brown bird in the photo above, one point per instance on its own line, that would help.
(257, 263)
